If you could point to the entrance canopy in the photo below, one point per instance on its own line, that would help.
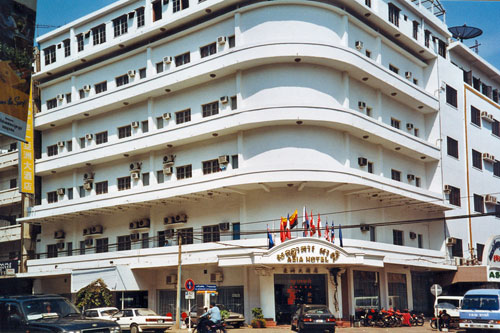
(117, 278)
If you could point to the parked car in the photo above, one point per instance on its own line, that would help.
(47, 313)
(313, 317)
(234, 319)
(140, 320)
(101, 313)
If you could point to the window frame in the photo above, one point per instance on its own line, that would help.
(101, 137)
(124, 132)
(183, 116)
(208, 50)
(49, 55)
(101, 187)
(184, 171)
(52, 197)
(120, 25)
(182, 59)
(454, 196)
(141, 20)
(394, 12)
(211, 233)
(451, 96)
(122, 80)
(452, 147)
(477, 159)
(210, 109)
(99, 34)
(478, 203)
(123, 183)
(475, 116)
(396, 175)
(209, 166)
(101, 87)
(67, 47)
(398, 237)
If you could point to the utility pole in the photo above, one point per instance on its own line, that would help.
(178, 303)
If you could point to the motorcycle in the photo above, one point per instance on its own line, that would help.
(205, 325)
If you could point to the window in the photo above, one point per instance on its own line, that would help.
(418, 182)
(145, 240)
(101, 87)
(157, 10)
(182, 59)
(234, 103)
(79, 42)
(427, 37)
(81, 92)
(99, 34)
(183, 116)
(455, 196)
(145, 126)
(452, 146)
(52, 197)
(50, 55)
(370, 167)
(160, 177)
(495, 128)
(368, 3)
(236, 231)
(51, 103)
(124, 243)
(397, 290)
(395, 123)
(394, 14)
(496, 168)
(140, 17)
(82, 247)
(415, 29)
(416, 132)
(120, 25)
(480, 250)
(420, 241)
(163, 238)
(184, 172)
(69, 249)
(124, 132)
(101, 138)
(368, 53)
(208, 50)
(145, 179)
(82, 143)
(397, 237)
(497, 211)
(393, 69)
(52, 251)
(477, 160)
(101, 187)
(124, 183)
(396, 175)
(67, 48)
(121, 80)
(186, 235)
(13, 183)
(159, 122)
(210, 109)
(478, 203)
(457, 249)
(52, 150)
(372, 233)
(475, 116)
(476, 83)
(451, 96)
(234, 162)
(231, 40)
(68, 98)
(159, 67)
(70, 193)
(81, 192)
(142, 73)
(211, 233)
(180, 5)
(441, 48)
(210, 167)
(415, 82)
(101, 245)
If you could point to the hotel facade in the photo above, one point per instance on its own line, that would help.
(209, 120)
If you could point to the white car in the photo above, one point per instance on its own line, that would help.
(138, 320)
(101, 313)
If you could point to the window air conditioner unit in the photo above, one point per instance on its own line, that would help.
(135, 124)
(224, 159)
(96, 230)
(450, 241)
(362, 161)
(89, 136)
(447, 189)
(171, 279)
(413, 235)
(60, 191)
(132, 225)
(168, 170)
(410, 177)
(169, 220)
(181, 218)
(135, 175)
(87, 186)
(60, 143)
(167, 60)
(408, 75)
(168, 160)
(60, 97)
(490, 199)
(144, 223)
(131, 73)
(358, 44)
(89, 242)
(488, 157)
(364, 227)
(166, 116)
(134, 237)
(216, 277)
(490, 118)
(224, 226)
(484, 114)
(60, 246)
(361, 105)
(134, 167)
(87, 231)
(409, 126)
(88, 177)
(221, 39)
(59, 234)
(86, 88)
(224, 99)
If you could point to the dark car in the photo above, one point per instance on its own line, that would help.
(313, 317)
(47, 313)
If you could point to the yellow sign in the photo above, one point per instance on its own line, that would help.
(26, 155)
(308, 254)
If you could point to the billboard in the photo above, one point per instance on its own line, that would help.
(27, 154)
(17, 28)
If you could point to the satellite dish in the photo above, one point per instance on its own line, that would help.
(465, 32)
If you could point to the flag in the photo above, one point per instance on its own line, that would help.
(288, 233)
(313, 227)
(306, 222)
(327, 232)
(332, 238)
(294, 220)
(319, 226)
(340, 236)
(270, 239)
(282, 231)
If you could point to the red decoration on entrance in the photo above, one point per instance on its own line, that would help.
(184, 315)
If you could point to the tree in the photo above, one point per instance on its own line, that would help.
(95, 295)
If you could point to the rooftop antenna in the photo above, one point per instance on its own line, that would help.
(465, 32)
(475, 47)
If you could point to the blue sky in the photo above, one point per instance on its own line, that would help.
(481, 14)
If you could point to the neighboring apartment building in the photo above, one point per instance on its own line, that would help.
(211, 119)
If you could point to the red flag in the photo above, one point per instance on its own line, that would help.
(319, 226)
(313, 227)
(282, 231)
(327, 232)
(294, 220)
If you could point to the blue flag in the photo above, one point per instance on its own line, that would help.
(332, 237)
(340, 236)
(270, 238)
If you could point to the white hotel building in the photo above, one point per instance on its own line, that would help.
(227, 115)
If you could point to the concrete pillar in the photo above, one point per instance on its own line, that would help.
(238, 37)
(344, 31)
(378, 50)
(345, 85)
(239, 99)
(150, 69)
(377, 113)
(267, 295)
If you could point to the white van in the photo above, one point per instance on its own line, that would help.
(452, 305)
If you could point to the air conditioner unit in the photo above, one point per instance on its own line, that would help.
(484, 114)
(361, 105)
(87, 231)
(167, 60)
(358, 44)
(60, 234)
(131, 73)
(488, 157)
(60, 143)
(166, 116)
(89, 242)
(135, 175)
(60, 246)
(169, 220)
(408, 75)
(180, 218)
(221, 39)
(490, 118)
(89, 136)
(168, 170)
(409, 126)
(60, 97)
(87, 186)
(413, 235)
(168, 160)
(450, 241)
(171, 279)
(364, 227)
(60, 191)
(224, 99)
(224, 226)
(410, 177)
(362, 161)
(135, 124)
(134, 237)
(490, 199)
(86, 87)
(169, 234)
(216, 277)
(144, 223)
(447, 189)
(134, 167)
(88, 177)
(96, 230)
(224, 159)
(132, 225)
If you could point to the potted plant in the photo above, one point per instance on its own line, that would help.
(258, 320)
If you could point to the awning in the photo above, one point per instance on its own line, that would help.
(117, 278)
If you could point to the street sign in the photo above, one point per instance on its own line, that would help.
(205, 287)
(189, 295)
(436, 289)
(189, 285)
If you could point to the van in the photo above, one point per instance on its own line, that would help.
(480, 310)
(452, 305)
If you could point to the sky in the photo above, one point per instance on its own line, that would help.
(480, 14)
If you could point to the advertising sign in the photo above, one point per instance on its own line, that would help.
(491, 252)
(8, 266)
(26, 155)
(17, 28)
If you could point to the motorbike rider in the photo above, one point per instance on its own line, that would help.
(214, 312)
(444, 320)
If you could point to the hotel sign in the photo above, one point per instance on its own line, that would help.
(491, 252)
(7, 267)
(308, 254)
